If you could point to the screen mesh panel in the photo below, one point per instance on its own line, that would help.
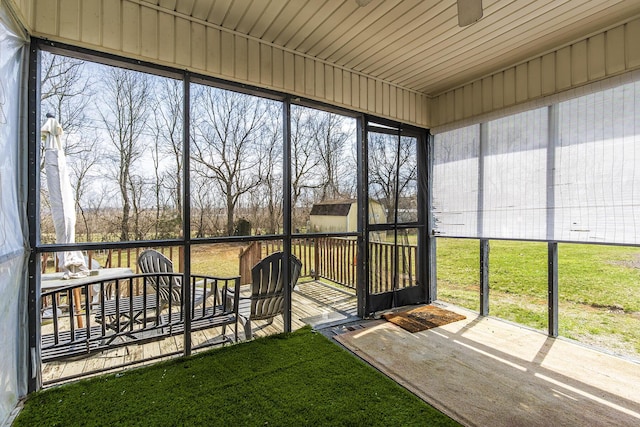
(514, 179)
(597, 182)
(563, 172)
(455, 182)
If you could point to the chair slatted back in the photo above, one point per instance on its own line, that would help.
(267, 288)
(169, 288)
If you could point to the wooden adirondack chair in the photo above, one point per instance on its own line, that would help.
(267, 291)
(169, 288)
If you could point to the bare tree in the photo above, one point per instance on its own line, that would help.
(125, 101)
(322, 166)
(137, 189)
(304, 158)
(203, 213)
(270, 169)
(225, 146)
(91, 210)
(66, 92)
(392, 168)
(167, 129)
(330, 139)
(84, 169)
(158, 183)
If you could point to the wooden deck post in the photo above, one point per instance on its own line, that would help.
(316, 259)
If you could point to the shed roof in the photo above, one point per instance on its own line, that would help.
(332, 208)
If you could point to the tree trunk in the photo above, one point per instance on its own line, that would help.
(126, 207)
(230, 212)
(124, 225)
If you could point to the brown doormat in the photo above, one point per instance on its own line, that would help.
(423, 318)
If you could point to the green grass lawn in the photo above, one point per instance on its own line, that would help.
(297, 379)
(599, 287)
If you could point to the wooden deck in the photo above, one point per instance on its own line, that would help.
(314, 303)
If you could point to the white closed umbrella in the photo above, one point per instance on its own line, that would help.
(63, 205)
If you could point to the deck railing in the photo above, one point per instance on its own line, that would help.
(335, 259)
(116, 258)
(382, 260)
(330, 258)
(303, 249)
(100, 314)
(127, 309)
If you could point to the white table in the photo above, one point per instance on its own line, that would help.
(54, 281)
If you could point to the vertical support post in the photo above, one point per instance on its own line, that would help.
(484, 277)
(552, 139)
(316, 258)
(362, 288)
(426, 239)
(484, 244)
(482, 149)
(553, 288)
(552, 267)
(286, 207)
(186, 211)
(395, 260)
(33, 185)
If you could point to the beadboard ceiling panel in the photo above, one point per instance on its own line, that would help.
(415, 44)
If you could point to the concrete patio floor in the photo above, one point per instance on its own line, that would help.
(482, 371)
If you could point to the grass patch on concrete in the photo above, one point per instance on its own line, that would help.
(599, 287)
(295, 379)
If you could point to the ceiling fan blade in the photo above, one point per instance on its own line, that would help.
(469, 11)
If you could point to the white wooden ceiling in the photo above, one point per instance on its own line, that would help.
(412, 43)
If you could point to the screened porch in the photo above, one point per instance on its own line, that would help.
(401, 155)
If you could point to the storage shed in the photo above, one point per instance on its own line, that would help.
(334, 216)
(342, 216)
